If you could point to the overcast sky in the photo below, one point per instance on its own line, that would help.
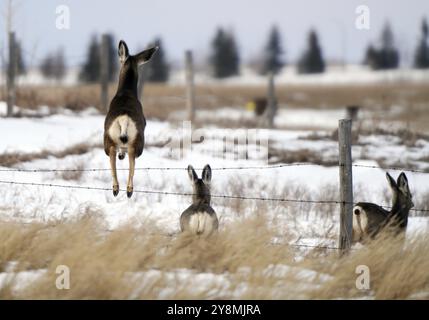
(190, 24)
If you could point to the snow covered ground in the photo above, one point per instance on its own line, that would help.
(327, 119)
(202, 283)
(26, 203)
(338, 75)
(57, 132)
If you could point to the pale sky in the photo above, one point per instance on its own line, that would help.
(190, 24)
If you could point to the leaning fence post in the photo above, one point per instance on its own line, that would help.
(346, 184)
(104, 73)
(11, 71)
(190, 90)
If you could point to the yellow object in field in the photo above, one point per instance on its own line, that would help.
(250, 106)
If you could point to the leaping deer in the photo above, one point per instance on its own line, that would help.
(125, 123)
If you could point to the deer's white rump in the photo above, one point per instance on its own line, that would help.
(123, 130)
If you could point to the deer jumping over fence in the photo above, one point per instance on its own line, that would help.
(125, 123)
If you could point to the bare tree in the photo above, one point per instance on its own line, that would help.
(9, 12)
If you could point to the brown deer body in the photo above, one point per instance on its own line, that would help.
(125, 123)
(200, 218)
(370, 219)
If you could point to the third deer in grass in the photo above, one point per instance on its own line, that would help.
(125, 123)
(369, 219)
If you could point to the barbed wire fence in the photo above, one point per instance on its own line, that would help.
(235, 197)
(275, 166)
(78, 58)
(167, 193)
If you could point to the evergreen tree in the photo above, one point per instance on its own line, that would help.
(225, 58)
(53, 65)
(90, 71)
(387, 56)
(234, 59)
(112, 52)
(157, 68)
(273, 52)
(421, 59)
(312, 59)
(371, 57)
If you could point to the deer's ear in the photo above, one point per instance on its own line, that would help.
(145, 55)
(207, 174)
(403, 182)
(192, 174)
(391, 181)
(123, 51)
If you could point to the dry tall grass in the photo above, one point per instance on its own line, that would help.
(398, 270)
(239, 262)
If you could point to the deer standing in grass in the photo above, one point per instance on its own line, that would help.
(200, 218)
(125, 123)
(369, 219)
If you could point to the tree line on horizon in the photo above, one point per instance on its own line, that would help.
(225, 60)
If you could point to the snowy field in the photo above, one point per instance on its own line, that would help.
(309, 224)
(60, 131)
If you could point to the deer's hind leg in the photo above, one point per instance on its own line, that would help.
(112, 156)
(132, 160)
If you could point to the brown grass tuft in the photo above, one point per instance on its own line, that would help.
(301, 155)
(13, 158)
(397, 271)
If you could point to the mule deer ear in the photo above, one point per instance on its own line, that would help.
(403, 182)
(192, 174)
(391, 181)
(207, 174)
(145, 55)
(123, 51)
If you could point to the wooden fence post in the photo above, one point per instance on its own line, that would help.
(272, 100)
(190, 88)
(104, 73)
(346, 184)
(11, 72)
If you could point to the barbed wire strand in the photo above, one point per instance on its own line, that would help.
(277, 166)
(170, 193)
